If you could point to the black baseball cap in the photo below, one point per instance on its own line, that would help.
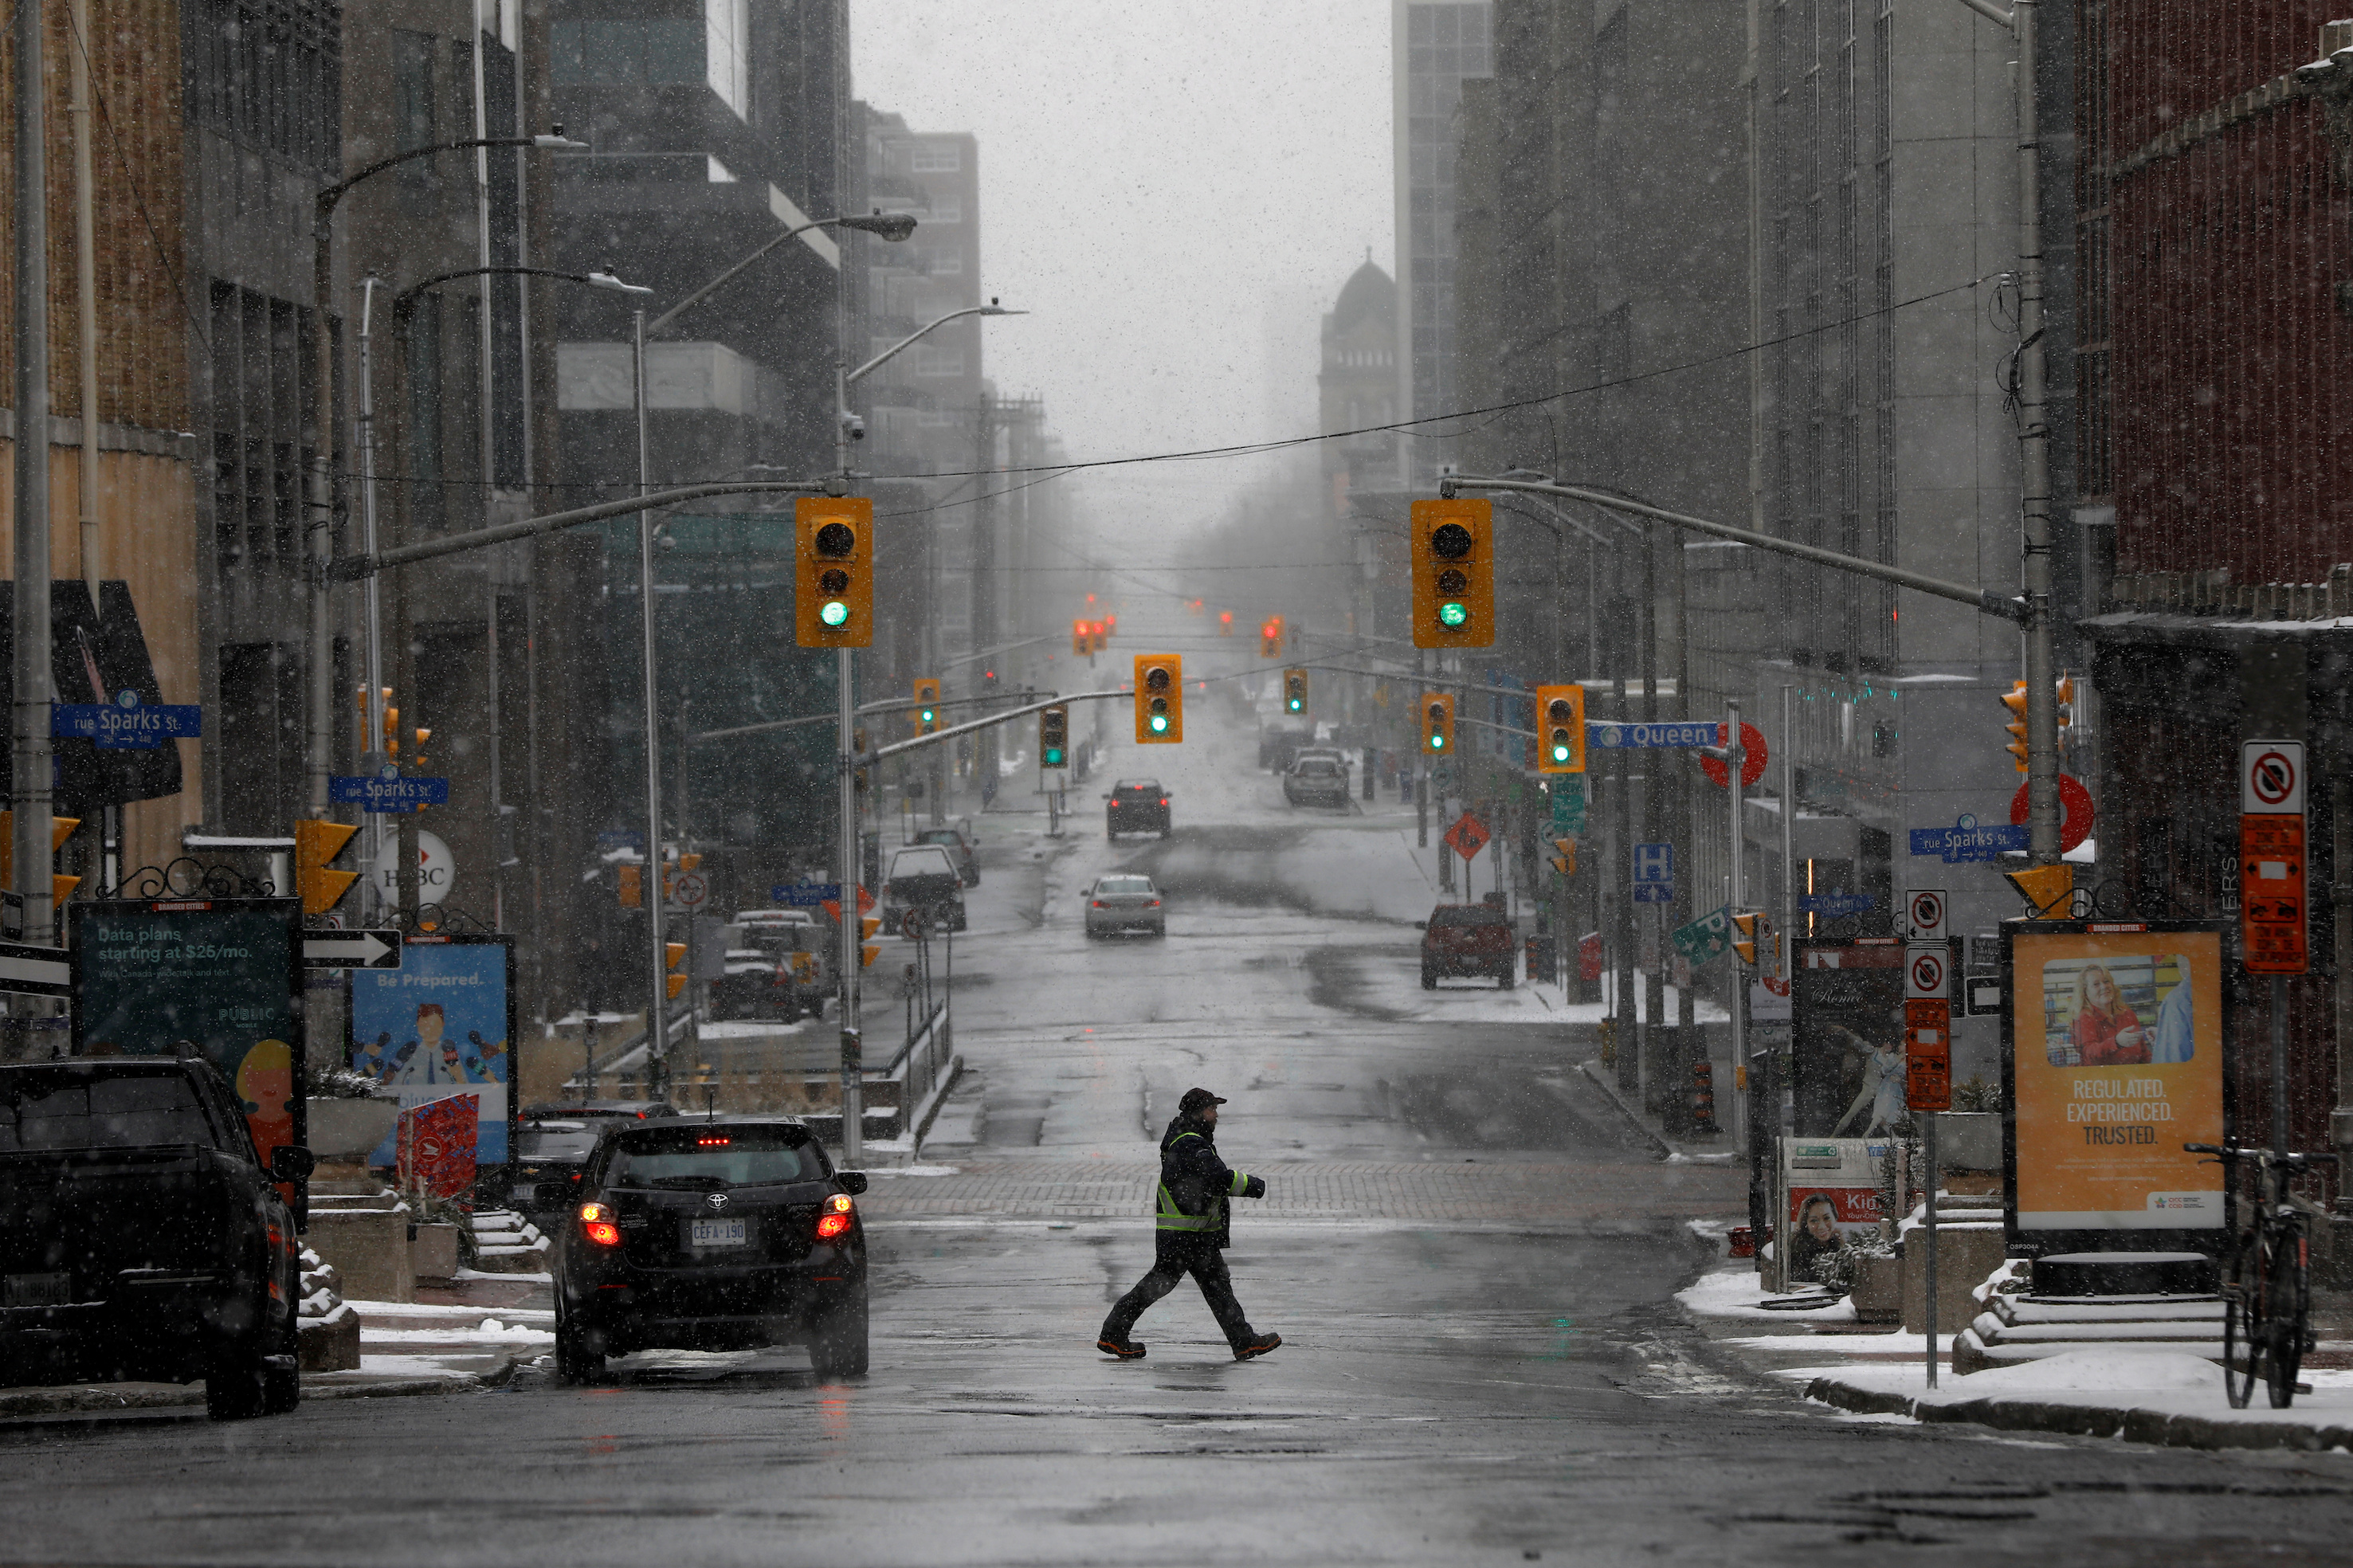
(1194, 1098)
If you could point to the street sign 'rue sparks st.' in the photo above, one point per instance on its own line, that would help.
(386, 795)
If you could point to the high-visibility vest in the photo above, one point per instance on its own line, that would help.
(1168, 1215)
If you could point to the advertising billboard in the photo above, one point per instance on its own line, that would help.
(2113, 1061)
(440, 1025)
(1846, 1035)
(224, 974)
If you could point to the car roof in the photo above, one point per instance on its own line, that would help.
(1152, 785)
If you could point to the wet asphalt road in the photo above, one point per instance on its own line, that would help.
(1471, 1259)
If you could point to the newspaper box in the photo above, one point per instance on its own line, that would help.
(1825, 1196)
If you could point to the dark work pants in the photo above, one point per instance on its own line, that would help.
(1175, 1256)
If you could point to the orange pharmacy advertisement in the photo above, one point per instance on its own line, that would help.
(2114, 1060)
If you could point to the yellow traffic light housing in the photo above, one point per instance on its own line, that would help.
(1054, 737)
(1563, 857)
(1438, 723)
(927, 705)
(629, 884)
(316, 844)
(1453, 545)
(1099, 634)
(61, 830)
(869, 949)
(1159, 698)
(2015, 701)
(1560, 729)
(673, 954)
(1745, 935)
(1294, 691)
(2049, 890)
(833, 562)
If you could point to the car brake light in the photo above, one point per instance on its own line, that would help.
(1099, 903)
(1153, 904)
(1164, 800)
(598, 1221)
(835, 1218)
(713, 1142)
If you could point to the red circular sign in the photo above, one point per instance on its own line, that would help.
(2271, 778)
(2075, 811)
(1752, 766)
(1928, 971)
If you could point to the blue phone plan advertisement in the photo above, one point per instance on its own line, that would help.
(437, 1026)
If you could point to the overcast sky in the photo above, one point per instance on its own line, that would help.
(1178, 189)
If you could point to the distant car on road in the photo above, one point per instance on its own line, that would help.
(1468, 939)
(757, 985)
(728, 1233)
(1136, 805)
(1122, 901)
(795, 941)
(922, 881)
(1317, 780)
(959, 850)
(547, 1152)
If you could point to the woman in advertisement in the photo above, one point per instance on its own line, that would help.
(2108, 1032)
(1814, 1237)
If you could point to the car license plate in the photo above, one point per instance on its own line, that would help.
(704, 1233)
(36, 1289)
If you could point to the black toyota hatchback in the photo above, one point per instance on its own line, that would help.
(721, 1235)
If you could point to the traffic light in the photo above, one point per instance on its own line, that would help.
(1225, 623)
(316, 844)
(61, 830)
(1080, 643)
(833, 560)
(1744, 933)
(1294, 691)
(1453, 574)
(1560, 733)
(630, 885)
(927, 705)
(1159, 698)
(868, 949)
(2015, 701)
(1054, 737)
(1563, 857)
(1098, 636)
(1437, 723)
(674, 982)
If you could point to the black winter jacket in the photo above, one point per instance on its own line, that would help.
(1194, 1184)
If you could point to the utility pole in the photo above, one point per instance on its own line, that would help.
(650, 886)
(984, 571)
(29, 790)
(2034, 451)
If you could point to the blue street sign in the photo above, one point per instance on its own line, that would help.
(126, 724)
(1614, 737)
(613, 838)
(1833, 906)
(804, 895)
(1654, 892)
(386, 795)
(1654, 863)
(1965, 840)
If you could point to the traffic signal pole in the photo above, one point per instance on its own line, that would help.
(852, 926)
(649, 888)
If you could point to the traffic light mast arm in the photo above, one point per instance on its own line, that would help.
(352, 568)
(1986, 601)
(868, 758)
(893, 706)
(1463, 717)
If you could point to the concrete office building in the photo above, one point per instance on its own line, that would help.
(1437, 46)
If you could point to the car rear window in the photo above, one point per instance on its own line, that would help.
(941, 835)
(1140, 786)
(554, 1142)
(699, 1157)
(1465, 915)
(929, 860)
(1124, 884)
(62, 1110)
(1320, 767)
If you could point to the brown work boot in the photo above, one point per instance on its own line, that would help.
(1126, 1350)
(1257, 1347)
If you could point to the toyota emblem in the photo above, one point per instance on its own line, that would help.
(716, 1200)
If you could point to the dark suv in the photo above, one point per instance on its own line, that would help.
(1138, 806)
(711, 1234)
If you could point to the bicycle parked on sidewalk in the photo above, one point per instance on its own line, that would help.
(2267, 1288)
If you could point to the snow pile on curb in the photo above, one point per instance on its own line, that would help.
(1739, 1292)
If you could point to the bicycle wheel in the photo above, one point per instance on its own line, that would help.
(2242, 1322)
(2286, 1309)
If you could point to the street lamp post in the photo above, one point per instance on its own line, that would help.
(890, 227)
(404, 306)
(319, 501)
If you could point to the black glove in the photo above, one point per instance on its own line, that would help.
(1254, 1188)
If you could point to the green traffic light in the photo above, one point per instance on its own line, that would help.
(1159, 723)
(1053, 756)
(833, 612)
(929, 715)
(1296, 705)
(1453, 616)
(1438, 742)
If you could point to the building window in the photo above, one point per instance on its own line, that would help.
(939, 362)
(270, 76)
(935, 158)
(945, 209)
(947, 264)
(672, 52)
(727, 37)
